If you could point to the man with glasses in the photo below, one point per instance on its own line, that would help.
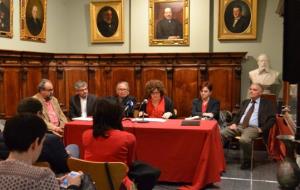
(122, 96)
(82, 104)
(52, 113)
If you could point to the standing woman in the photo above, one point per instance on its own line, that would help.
(158, 105)
(205, 106)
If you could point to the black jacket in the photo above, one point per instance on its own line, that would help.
(169, 107)
(213, 106)
(75, 107)
(266, 115)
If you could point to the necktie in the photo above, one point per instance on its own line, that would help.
(246, 120)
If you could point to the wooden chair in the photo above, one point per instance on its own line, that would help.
(252, 150)
(97, 172)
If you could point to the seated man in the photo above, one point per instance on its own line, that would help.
(53, 150)
(52, 113)
(82, 104)
(122, 96)
(255, 118)
(24, 136)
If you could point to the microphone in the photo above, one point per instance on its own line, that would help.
(128, 104)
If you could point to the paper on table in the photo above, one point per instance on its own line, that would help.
(82, 119)
(192, 118)
(149, 119)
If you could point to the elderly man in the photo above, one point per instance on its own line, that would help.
(82, 104)
(255, 118)
(168, 27)
(122, 96)
(52, 113)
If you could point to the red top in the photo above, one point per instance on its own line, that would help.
(118, 147)
(156, 112)
(204, 106)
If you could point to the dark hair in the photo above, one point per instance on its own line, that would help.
(151, 85)
(29, 105)
(237, 6)
(207, 85)
(22, 130)
(108, 115)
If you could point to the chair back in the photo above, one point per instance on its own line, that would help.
(96, 170)
(42, 164)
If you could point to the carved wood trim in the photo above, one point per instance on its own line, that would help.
(238, 72)
(1, 74)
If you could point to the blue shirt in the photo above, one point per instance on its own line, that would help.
(254, 117)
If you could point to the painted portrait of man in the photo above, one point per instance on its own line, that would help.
(34, 17)
(168, 19)
(4, 16)
(237, 16)
(107, 21)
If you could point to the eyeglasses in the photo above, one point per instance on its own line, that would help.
(122, 89)
(155, 92)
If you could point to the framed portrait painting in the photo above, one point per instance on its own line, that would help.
(106, 21)
(237, 19)
(6, 18)
(169, 22)
(33, 20)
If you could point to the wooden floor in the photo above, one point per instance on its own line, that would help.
(263, 176)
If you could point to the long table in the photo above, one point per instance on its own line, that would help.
(191, 154)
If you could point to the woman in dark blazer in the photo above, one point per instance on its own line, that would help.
(205, 106)
(158, 105)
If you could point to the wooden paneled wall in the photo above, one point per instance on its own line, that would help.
(182, 74)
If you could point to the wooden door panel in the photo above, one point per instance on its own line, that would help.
(184, 90)
(12, 88)
(222, 86)
(34, 76)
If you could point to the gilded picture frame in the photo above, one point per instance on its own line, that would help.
(106, 21)
(237, 19)
(169, 22)
(33, 20)
(6, 18)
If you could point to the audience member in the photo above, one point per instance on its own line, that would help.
(82, 104)
(158, 105)
(122, 96)
(116, 144)
(255, 118)
(24, 136)
(53, 150)
(205, 106)
(52, 113)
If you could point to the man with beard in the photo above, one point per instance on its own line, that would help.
(107, 23)
(52, 113)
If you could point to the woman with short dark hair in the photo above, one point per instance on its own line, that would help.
(205, 106)
(158, 105)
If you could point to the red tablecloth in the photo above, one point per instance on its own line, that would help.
(183, 153)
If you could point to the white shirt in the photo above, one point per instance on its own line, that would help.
(83, 102)
(254, 117)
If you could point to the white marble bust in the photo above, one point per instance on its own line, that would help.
(264, 74)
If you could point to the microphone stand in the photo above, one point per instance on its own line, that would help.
(143, 115)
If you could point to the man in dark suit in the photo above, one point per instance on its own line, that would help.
(107, 22)
(168, 27)
(255, 118)
(237, 23)
(34, 23)
(82, 104)
(122, 96)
